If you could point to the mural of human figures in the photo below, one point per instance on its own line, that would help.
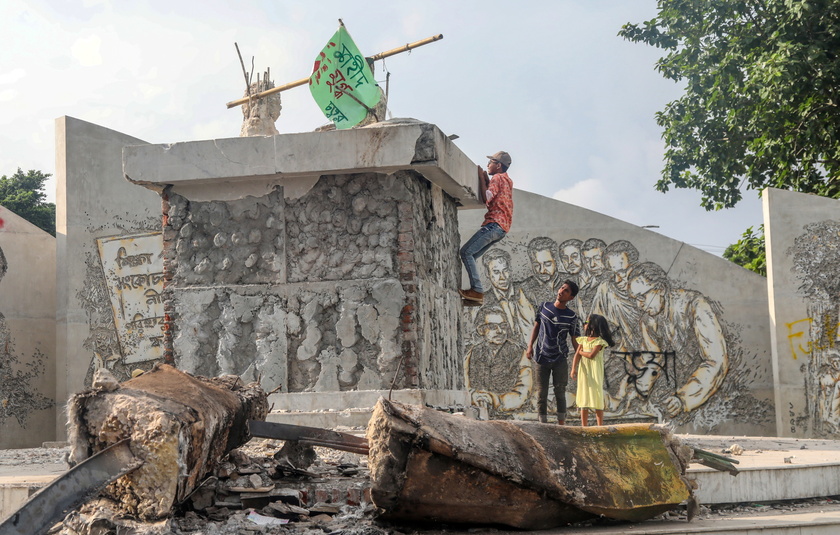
(519, 312)
(686, 323)
(498, 374)
(547, 278)
(816, 255)
(673, 349)
(570, 259)
(18, 398)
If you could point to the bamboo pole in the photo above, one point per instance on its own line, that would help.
(302, 81)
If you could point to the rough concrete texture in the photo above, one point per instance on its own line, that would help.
(93, 200)
(692, 328)
(179, 426)
(802, 236)
(27, 333)
(322, 292)
(240, 166)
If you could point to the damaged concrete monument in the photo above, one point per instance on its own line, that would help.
(317, 263)
(179, 427)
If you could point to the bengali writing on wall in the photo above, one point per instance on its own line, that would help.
(133, 267)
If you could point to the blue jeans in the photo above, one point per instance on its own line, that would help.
(477, 246)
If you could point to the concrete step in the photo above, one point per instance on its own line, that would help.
(811, 520)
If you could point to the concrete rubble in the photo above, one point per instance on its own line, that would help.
(353, 519)
(178, 425)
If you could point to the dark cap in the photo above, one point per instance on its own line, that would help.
(502, 157)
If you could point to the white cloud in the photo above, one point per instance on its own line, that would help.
(8, 94)
(586, 194)
(12, 76)
(87, 51)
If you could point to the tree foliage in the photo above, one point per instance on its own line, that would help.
(762, 95)
(24, 195)
(749, 251)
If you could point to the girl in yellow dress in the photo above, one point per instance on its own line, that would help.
(590, 380)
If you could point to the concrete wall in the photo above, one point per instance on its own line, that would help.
(322, 293)
(802, 234)
(95, 208)
(27, 333)
(693, 351)
(318, 262)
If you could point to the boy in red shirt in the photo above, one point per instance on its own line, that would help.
(497, 193)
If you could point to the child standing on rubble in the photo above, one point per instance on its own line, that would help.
(590, 386)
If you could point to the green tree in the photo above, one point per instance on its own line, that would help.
(24, 195)
(762, 95)
(749, 251)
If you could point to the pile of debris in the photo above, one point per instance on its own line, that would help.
(258, 488)
(168, 453)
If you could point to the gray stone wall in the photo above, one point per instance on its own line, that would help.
(328, 291)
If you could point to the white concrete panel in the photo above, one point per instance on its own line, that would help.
(93, 201)
(802, 234)
(382, 148)
(27, 333)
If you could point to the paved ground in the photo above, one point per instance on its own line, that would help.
(770, 451)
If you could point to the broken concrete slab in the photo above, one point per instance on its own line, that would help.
(262, 163)
(431, 466)
(179, 425)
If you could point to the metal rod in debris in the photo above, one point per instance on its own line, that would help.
(303, 81)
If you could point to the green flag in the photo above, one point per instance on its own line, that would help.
(342, 83)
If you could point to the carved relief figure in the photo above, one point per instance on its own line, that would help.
(519, 312)
(547, 279)
(828, 407)
(672, 352)
(593, 273)
(641, 372)
(18, 398)
(612, 297)
(571, 259)
(816, 255)
(498, 374)
(686, 322)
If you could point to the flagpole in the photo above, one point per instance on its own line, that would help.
(303, 81)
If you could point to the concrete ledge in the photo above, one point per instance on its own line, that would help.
(364, 399)
(386, 147)
(352, 408)
(767, 483)
(812, 521)
(14, 490)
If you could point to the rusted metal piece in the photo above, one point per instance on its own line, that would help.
(432, 466)
(179, 425)
(713, 460)
(70, 490)
(313, 436)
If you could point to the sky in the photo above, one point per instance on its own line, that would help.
(549, 81)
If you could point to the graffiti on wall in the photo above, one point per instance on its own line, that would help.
(18, 397)
(133, 267)
(816, 339)
(121, 296)
(675, 358)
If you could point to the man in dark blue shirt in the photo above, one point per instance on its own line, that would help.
(548, 348)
